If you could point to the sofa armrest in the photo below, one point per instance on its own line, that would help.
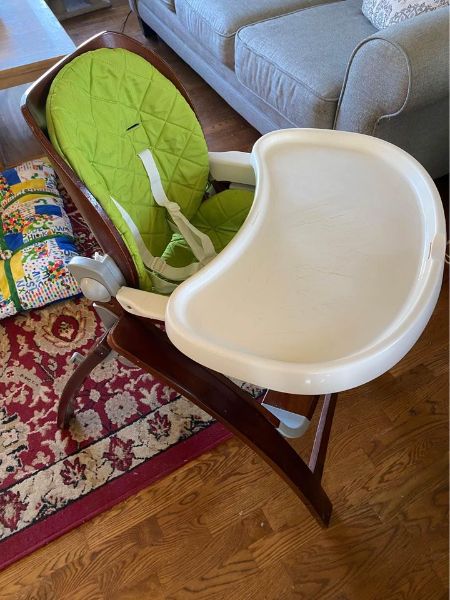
(401, 68)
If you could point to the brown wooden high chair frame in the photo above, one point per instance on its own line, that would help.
(146, 345)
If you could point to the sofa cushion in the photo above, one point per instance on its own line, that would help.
(214, 23)
(296, 63)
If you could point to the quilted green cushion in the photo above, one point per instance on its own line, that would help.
(220, 217)
(105, 107)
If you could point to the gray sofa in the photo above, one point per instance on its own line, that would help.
(313, 63)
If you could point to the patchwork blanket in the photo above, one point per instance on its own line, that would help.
(36, 240)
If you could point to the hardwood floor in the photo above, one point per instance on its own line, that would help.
(225, 527)
(15, 141)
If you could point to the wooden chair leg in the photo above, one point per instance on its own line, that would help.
(145, 345)
(319, 450)
(94, 357)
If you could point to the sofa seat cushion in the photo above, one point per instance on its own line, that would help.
(296, 63)
(214, 23)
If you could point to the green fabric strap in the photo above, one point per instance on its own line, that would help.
(12, 286)
(155, 263)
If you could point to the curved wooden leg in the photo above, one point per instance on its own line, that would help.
(94, 357)
(148, 347)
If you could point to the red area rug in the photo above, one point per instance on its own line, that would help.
(129, 430)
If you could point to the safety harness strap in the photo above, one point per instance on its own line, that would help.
(155, 263)
(200, 244)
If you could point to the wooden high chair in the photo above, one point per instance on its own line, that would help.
(328, 283)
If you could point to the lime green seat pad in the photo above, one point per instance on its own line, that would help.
(106, 106)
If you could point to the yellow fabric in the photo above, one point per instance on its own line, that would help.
(17, 266)
(34, 184)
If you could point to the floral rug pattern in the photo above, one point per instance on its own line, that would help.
(124, 417)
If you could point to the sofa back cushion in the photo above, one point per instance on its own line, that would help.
(382, 13)
(214, 23)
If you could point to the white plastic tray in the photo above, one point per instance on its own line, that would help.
(332, 277)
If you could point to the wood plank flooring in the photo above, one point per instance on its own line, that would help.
(15, 141)
(225, 527)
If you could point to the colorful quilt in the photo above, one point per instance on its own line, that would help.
(36, 240)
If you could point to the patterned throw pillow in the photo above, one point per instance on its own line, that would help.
(36, 240)
(382, 13)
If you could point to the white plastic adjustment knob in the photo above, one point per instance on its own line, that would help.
(76, 358)
(94, 290)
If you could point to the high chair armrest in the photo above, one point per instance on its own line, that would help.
(233, 166)
(142, 304)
